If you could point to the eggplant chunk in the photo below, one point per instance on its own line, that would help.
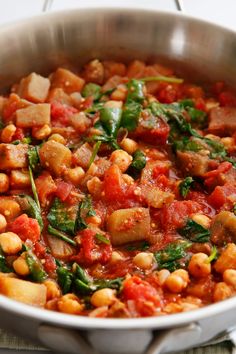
(13, 156)
(227, 259)
(222, 121)
(34, 88)
(23, 291)
(33, 116)
(128, 225)
(55, 157)
(223, 228)
(192, 163)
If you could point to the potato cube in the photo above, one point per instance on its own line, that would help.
(55, 157)
(23, 291)
(13, 156)
(66, 80)
(33, 116)
(34, 88)
(227, 259)
(128, 225)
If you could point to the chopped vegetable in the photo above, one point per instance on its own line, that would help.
(36, 270)
(31, 208)
(195, 232)
(169, 257)
(63, 217)
(85, 210)
(185, 186)
(60, 235)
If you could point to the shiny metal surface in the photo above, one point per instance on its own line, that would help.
(201, 52)
(44, 42)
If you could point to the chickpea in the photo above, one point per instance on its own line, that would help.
(9, 208)
(174, 283)
(229, 277)
(20, 179)
(53, 290)
(222, 291)
(58, 138)
(116, 257)
(41, 133)
(103, 297)
(162, 276)
(202, 220)
(199, 266)
(121, 158)
(4, 183)
(75, 175)
(177, 281)
(113, 104)
(143, 260)
(10, 242)
(129, 145)
(21, 267)
(228, 142)
(3, 223)
(7, 133)
(69, 303)
(127, 179)
(94, 186)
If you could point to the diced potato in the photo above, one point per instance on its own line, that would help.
(58, 94)
(33, 116)
(23, 291)
(227, 259)
(9, 208)
(59, 248)
(19, 179)
(68, 81)
(223, 228)
(83, 155)
(155, 197)
(128, 225)
(13, 156)
(55, 157)
(34, 88)
(80, 122)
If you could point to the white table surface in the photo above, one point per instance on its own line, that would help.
(218, 11)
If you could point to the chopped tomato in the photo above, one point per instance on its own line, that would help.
(227, 98)
(63, 190)
(45, 187)
(50, 264)
(167, 94)
(160, 170)
(19, 134)
(39, 249)
(26, 228)
(146, 298)
(220, 195)
(211, 176)
(113, 184)
(92, 250)
(60, 113)
(87, 103)
(174, 215)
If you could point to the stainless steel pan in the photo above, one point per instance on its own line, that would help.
(199, 50)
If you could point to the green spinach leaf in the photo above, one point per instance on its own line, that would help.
(195, 232)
